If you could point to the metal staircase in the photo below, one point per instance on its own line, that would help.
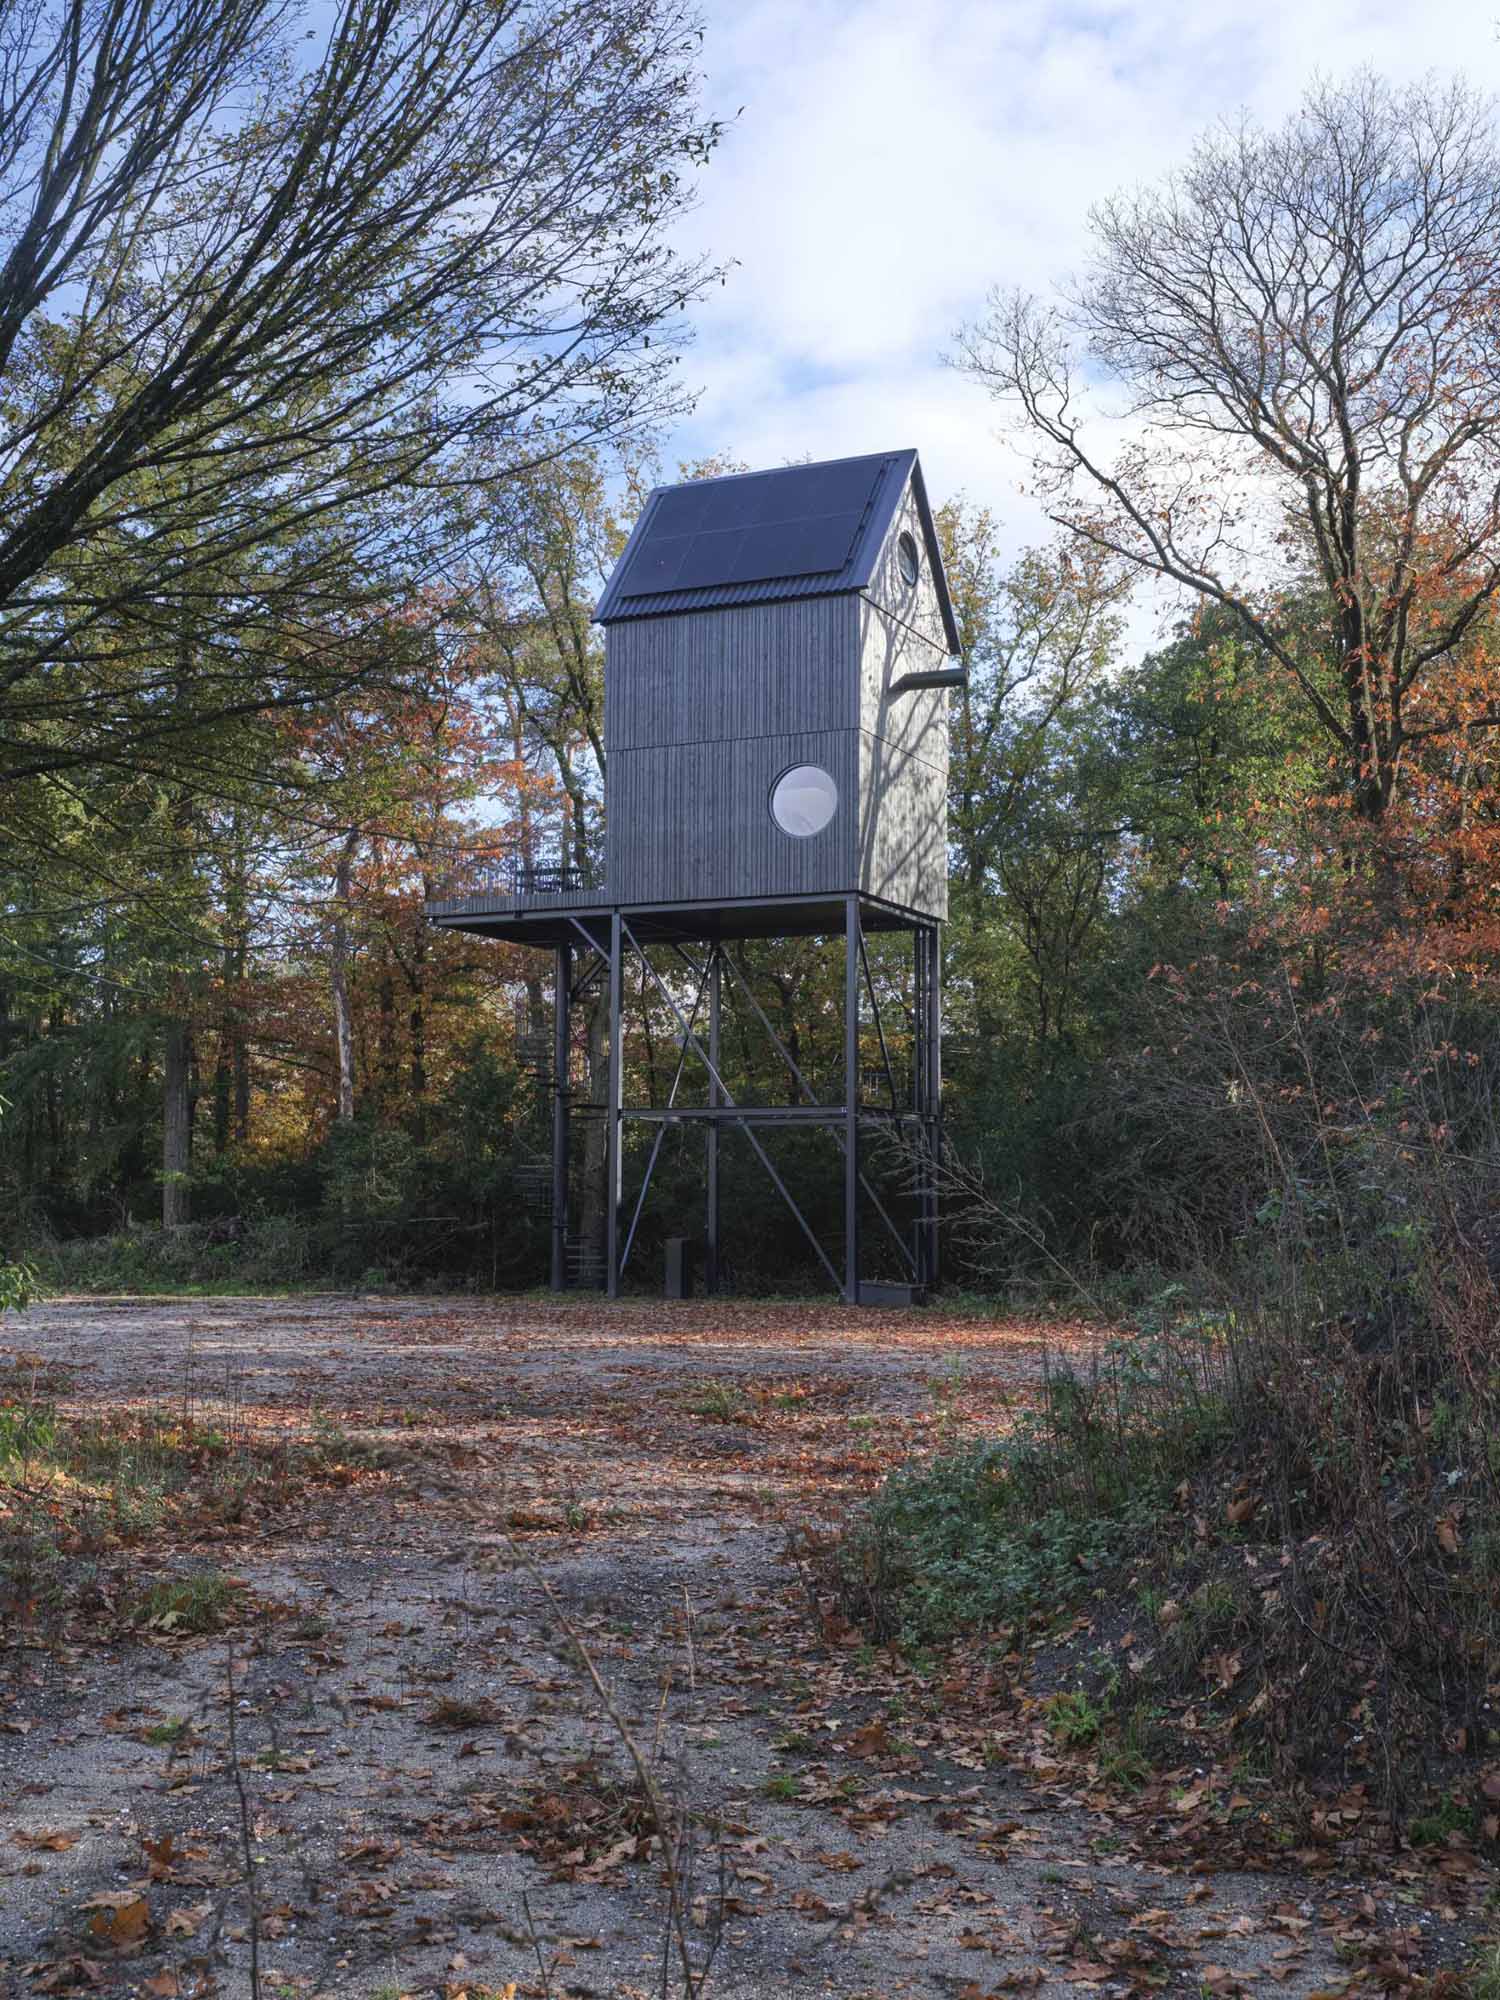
(585, 1264)
(533, 1044)
(532, 1179)
(531, 1174)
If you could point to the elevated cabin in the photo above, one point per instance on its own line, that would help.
(778, 651)
(775, 738)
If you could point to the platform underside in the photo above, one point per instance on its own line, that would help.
(562, 919)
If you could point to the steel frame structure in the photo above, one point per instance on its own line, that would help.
(609, 939)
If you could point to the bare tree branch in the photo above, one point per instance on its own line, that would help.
(1301, 328)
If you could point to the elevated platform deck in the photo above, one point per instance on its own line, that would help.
(549, 919)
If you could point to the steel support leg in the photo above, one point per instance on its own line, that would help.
(745, 1124)
(852, 943)
(711, 1232)
(562, 1043)
(738, 975)
(614, 1164)
(661, 1132)
(932, 1124)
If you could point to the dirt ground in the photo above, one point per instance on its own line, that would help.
(435, 1801)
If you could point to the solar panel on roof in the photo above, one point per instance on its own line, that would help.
(795, 548)
(677, 511)
(834, 489)
(655, 564)
(712, 558)
(798, 522)
(738, 503)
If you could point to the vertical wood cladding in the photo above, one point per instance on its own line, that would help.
(692, 821)
(749, 670)
(903, 830)
(705, 709)
(915, 723)
(915, 604)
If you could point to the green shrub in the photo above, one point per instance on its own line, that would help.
(27, 1430)
(17, 1286)
(986, 1535)
(1450, 1815)
(197, 1603)
(1073, 1718)
(723, 1402)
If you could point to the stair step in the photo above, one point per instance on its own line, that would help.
(533, 1183)
(585, 1263)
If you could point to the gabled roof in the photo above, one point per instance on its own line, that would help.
(755, 537)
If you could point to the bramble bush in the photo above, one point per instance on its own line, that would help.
(1290, 1454)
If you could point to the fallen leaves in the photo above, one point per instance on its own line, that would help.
(374, 1854)
(582, 1819)
(369, 1896)
(1224, 1669)
(873, 1740)
(65, 1975)
(119, 1918)
(187, 1918)
(161, 1856)
(453, 1712)
(46, 1840)
(765, 1672)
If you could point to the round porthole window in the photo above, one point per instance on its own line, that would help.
(804, 800)
(907, 559)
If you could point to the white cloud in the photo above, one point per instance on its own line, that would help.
(893, 161)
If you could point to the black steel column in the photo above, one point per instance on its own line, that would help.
(851, 1100)
(614, 1165)
(932, 1124)
(919, 1094)
(715, 996)
(562, 1043)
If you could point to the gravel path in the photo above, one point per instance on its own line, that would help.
(436, 1802)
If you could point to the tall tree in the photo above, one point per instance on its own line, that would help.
(1300, 330)
(263, 290)
(1036, 635)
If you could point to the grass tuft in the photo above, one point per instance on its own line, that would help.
(191, 1604)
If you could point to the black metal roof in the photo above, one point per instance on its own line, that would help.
(754, 537)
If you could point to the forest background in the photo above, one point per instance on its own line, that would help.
(308, 499)
(335, 362)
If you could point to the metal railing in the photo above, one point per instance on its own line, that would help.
(513, 873)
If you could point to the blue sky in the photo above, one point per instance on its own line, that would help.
(893, 160)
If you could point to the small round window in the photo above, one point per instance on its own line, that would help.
(907, 559)
(804, 800)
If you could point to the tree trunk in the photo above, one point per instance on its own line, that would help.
(222, 1069)
(241, 1078)
(232, 1067)
(387, 1061)
(417, 1030)
(338, 976)
(176, 1128)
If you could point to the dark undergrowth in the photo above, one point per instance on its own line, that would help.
(1263, 1533)
(1273, 1538)
(260, 1254)
(1000, 1531)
